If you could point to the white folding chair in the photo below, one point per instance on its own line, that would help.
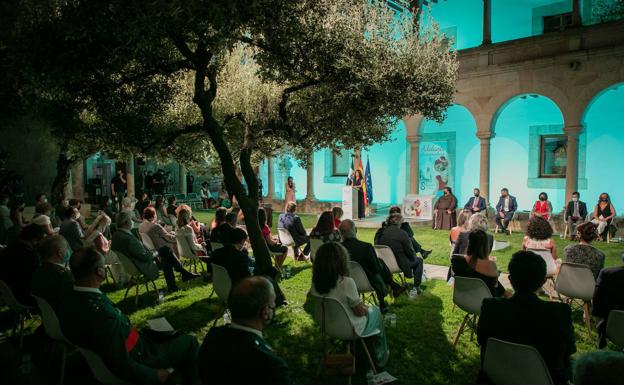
(364, 287)
(315, 244)
(147, 241)
(22, 311)
(216, 245)
(615, 328)
(136, 277)
(551, 269)
(286, 239)
(222, 285)
(334, 321)
(468, 295)
(507, 363)
(53, 330)
(99, 369)
(577, 281)
(185, 251)
(387, 256)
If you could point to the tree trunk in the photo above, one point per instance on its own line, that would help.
(63, 166)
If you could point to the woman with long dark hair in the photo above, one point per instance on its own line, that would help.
(330, 278)
(274, 246)
(358, 184)
(324, 229)
(604, 212)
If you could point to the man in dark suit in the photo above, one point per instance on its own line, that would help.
(231, 256)
(525, 319)
(237, 353)
(19, 262)
(505, 209)
(399, 242)
(89, 319)
(376, 271)
(476, 203)
(292, 223)
(575, 214)
(609, 295)
(52, 281)
(408, 230)
(71, 229)
(127, 244)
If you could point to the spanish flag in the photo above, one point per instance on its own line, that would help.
(360, 168)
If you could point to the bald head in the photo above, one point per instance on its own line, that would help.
(347, 229)
(250, 298)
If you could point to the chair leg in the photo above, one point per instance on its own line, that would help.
(473, 326)
(63, 361)
(211, 294)
(136, 295)
(461, 329)
(22, 320)
(587, 317)
(368, 356)
(128, 289)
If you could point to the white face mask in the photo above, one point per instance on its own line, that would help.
(78, 215)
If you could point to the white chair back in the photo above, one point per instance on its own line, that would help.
(315, 244)
(216, 245)
(615, 328)
(221, 282)
(242, 227)
(551, 267)
(575, 281)
(147, 241)
(500, 245)
(184, 249)
(51, 323)
(99, 369)
(285, 238)
(356, 271)
(6, 294)
(507, 363)
(128, 266)
(333, 318)
(469, 293)
(385, 254)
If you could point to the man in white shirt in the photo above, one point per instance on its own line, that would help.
(505, 210)
(576, 213)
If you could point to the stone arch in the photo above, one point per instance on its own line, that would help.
(592, 93)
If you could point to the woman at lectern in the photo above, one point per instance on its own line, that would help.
(358, 183)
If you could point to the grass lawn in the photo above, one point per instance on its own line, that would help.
(420, 344)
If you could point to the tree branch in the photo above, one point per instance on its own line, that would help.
(167, 68)
(168, 140)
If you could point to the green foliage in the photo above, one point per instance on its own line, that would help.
(608, 10)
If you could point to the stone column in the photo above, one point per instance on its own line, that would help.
(310, 179)
(130, 190)
(414, 141)
(182, 179)
(576, 13)
(270, 181)
(484, 174)
(77, 181)
(487, 22)
(572, 133)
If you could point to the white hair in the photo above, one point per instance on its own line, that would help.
(478, 221)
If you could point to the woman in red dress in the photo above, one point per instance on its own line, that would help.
(542, 208)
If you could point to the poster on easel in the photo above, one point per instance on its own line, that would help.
(418, 207)
(435, 168)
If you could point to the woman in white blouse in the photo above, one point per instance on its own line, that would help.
(330, 279)
(185, 234)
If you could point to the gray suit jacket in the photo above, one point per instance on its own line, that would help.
(72, 232)
(126, 243)
(401, 245)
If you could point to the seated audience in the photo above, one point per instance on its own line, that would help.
(171, 207)
(525, 319)
(478, 264)
(17, 214)
(126, 243)
(20, 259)
(252, 306)
(274, 245)
(330, 278)
(604, 368)
(444, 211)
(338, 213)
(609, 295)
(399, 242)
(604, 212)
(575, 214)
(376, 270)
(462, 226)
(40, 199)
(224, 223)
(583, 252)
(233, 257)
(539, 237)
(476, 222)
(219, 217)
(408, 230)
(143, 202)
(291, 222)
(324, 229)
(90, 320)
(76, 203)
(128, 206)
(42, 217)
(59, 211)
(52, 281)
(505, 210)
(161, 211)
(201, 231)
(476, 203)
(185, 234)
(542, 207)
(70, 228)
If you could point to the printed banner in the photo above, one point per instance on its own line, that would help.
(418, 207)
(436, 170)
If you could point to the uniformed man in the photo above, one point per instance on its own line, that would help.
(90, 320)
(52, 281)
(237, 353)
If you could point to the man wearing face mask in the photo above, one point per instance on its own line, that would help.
(53, 280)
(71, 229)
(505, 210)
(90, 320)
(476, 203)
(226, 348)
(575, 214)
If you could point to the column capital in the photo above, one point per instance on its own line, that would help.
(573, 130)
(485, 135)
(413, 138)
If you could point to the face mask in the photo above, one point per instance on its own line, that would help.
(78, 215)
(604, 199)
(574, 199)
(542, 198)
(67, 255)
(110, 202)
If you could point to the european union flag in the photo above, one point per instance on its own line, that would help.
(368, 179)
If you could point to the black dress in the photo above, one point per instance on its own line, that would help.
(361, 209)
(606, 212)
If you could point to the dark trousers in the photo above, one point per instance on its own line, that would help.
(179, 352)
(504, 222)
(168, 263)
(119, 200)
(417, 247)
(417, 266)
